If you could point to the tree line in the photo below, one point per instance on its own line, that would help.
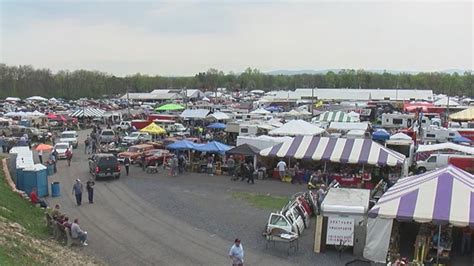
(24, 81)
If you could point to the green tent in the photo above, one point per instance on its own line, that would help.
(170, 107)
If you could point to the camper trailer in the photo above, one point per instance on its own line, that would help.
(397, 120)
(439, 134)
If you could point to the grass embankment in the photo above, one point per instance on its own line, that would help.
(14, 209)
(261, 201)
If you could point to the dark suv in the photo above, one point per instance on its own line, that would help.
(104, 165)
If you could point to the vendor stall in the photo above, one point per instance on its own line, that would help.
(344, 211)
(440, 197)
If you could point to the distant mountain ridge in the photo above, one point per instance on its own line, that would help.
(336, 70)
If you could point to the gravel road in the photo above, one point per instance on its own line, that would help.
(154, 219)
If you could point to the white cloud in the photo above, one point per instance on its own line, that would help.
(186, 38)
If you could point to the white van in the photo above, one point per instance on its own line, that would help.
(437, 161)
(69, 137)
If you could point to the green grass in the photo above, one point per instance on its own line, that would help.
(15, 209)
(261, 201)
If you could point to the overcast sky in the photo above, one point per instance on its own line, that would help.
(185, 37)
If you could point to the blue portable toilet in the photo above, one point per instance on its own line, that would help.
(36, 176)
(22, 158)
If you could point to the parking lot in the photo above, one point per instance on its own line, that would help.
(192, 219)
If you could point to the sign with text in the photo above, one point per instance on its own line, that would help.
(340, 231)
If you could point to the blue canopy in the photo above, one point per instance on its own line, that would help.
(183, 145)
(217, 126)
(213, 147)
(461, 139)
(380, 134)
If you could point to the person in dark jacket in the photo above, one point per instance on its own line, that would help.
(126, 162)
(90, 190)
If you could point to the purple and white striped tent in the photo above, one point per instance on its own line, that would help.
(441, 196)
(339, 150)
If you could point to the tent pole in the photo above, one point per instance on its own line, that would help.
(439, 242)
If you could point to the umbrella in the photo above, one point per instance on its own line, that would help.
(216, 126)
(170, 107)
(459, 139)
(44, 147)
(153, 128)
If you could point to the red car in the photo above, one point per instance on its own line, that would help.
(157, 157)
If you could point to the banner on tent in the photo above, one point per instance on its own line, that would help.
(340, 231)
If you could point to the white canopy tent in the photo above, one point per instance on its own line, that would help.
(400, 136)
(297, 128)
(36, 98)
(445, 146)
(260, 111)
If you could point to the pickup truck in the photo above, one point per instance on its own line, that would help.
(465, 162)
(123, 126)
(69, 137)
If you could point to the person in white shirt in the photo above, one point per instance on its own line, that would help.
(236, 253)
(281, 169)
(76, 232)
(40, 156)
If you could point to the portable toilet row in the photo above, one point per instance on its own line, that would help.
(27, 174)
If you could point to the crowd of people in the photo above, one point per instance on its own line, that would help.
(62, 220)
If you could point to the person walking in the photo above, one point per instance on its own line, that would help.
(77, 189)
(126, 162)
(90, 190)
(236, 253)
(296, 176)
(53, 157)
(230, 165)
(281, 169)
(68, 156)
(250, 176)
(40, 156)
(87, 142)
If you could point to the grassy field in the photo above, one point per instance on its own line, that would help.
(14, 209)
(261, 201)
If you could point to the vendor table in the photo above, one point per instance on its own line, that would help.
(293, 241)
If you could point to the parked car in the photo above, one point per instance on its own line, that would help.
(107, 136)
(69, 137)
(61, 148)
(135, 138)
(134, 152)
(157, 157)
(123, 125)
(104, 165)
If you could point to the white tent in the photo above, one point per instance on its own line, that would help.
(12, 99)
(219, 116)
(349, 126)
(36, 98)
(400, 136)
(444, 102)
(445, 146)
(297, 128)
(260, 111)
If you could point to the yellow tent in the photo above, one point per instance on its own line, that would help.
(464, 115)
(153, 129)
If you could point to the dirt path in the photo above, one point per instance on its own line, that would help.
(125, 230)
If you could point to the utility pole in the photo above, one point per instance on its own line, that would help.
(312, 101)
(128, 104)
